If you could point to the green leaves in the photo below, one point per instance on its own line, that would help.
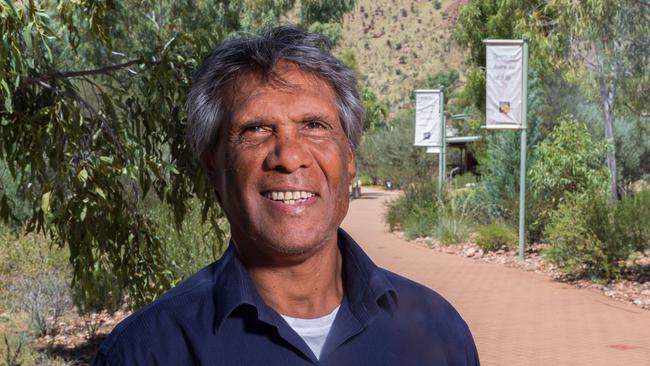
(93, 129)
(568, 162)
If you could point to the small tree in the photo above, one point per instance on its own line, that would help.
(568, 162)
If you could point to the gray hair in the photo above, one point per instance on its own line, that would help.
(209, 102)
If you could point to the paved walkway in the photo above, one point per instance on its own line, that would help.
(516, 317)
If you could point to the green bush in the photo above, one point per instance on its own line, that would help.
(499, 167)
(422, 212)
(451, 230)
(421, 221)
(495, 236)
(633, 220)
(29, 254)
(34, 279)
(568, 162)
(188, 248)
(366, 180)
(461, 181)
(418, 203)
(591, 236)
(576, 231)
(456, 210)
(388, 153)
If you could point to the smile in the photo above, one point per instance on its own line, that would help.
(289, 197)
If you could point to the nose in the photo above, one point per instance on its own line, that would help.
(288, 153)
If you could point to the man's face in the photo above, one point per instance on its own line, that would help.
(283, 164)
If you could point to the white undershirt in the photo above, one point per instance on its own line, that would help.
(313, 331)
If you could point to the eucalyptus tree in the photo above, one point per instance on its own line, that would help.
(603, 46)
(92, 123)
(610, 44)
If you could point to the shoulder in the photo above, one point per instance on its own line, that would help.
(137, 338)
(410, 292)
(426, 305)
(427, 313)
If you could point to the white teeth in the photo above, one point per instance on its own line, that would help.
(289, 197)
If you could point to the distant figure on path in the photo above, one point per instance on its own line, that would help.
(275, 120)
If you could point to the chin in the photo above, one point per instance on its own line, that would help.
(296, 245)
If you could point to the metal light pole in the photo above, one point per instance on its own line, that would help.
(504, 85)
(522, 160)
(442, 159)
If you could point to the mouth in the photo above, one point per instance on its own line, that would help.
(289, 197)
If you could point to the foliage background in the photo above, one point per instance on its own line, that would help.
(93, 127)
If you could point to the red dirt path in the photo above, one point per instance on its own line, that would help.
(516, 317)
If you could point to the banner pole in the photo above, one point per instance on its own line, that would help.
(443, 149)
(522, 160)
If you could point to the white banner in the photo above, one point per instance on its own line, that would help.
(504, 80)
(428, 126)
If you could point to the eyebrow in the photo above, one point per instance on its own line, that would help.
(315, 116)
(303, 118)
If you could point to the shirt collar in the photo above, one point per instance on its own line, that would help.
(365, 285)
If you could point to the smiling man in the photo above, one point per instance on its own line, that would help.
(275, 120)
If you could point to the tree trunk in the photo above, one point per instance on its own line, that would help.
(607, 93)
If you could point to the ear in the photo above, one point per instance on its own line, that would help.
(213, 180)
(352, 164)
(210, 166)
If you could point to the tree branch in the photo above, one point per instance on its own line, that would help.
(76, 74)
(641, 113)
(105, 125)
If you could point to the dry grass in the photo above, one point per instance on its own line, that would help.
(398, 42)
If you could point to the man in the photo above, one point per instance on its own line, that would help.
(275, 120)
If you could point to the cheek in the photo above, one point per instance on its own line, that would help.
(335, 165)
(242, 163)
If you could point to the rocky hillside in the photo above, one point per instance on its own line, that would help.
(398, 42)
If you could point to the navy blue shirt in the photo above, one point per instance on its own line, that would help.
(217, 317)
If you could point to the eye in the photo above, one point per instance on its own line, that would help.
(255, 129)
(315, 124)
(254, 133)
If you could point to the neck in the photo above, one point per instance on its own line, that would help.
(306, 287)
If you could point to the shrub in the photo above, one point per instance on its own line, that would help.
(188, 248)
(422, 212)
(417, 204)
(44, 298)
(495, 236)
(451, 230)
(34, 279)
(421, 221)
(103, 294)
(388, 154)
(576, 248)
(463, 180)
(395, 211)
(455, 211)
(366, 180)
(633, 220)
(568, 162)
(29, 254)
(499, 166)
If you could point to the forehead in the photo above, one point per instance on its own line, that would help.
(285, 79)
